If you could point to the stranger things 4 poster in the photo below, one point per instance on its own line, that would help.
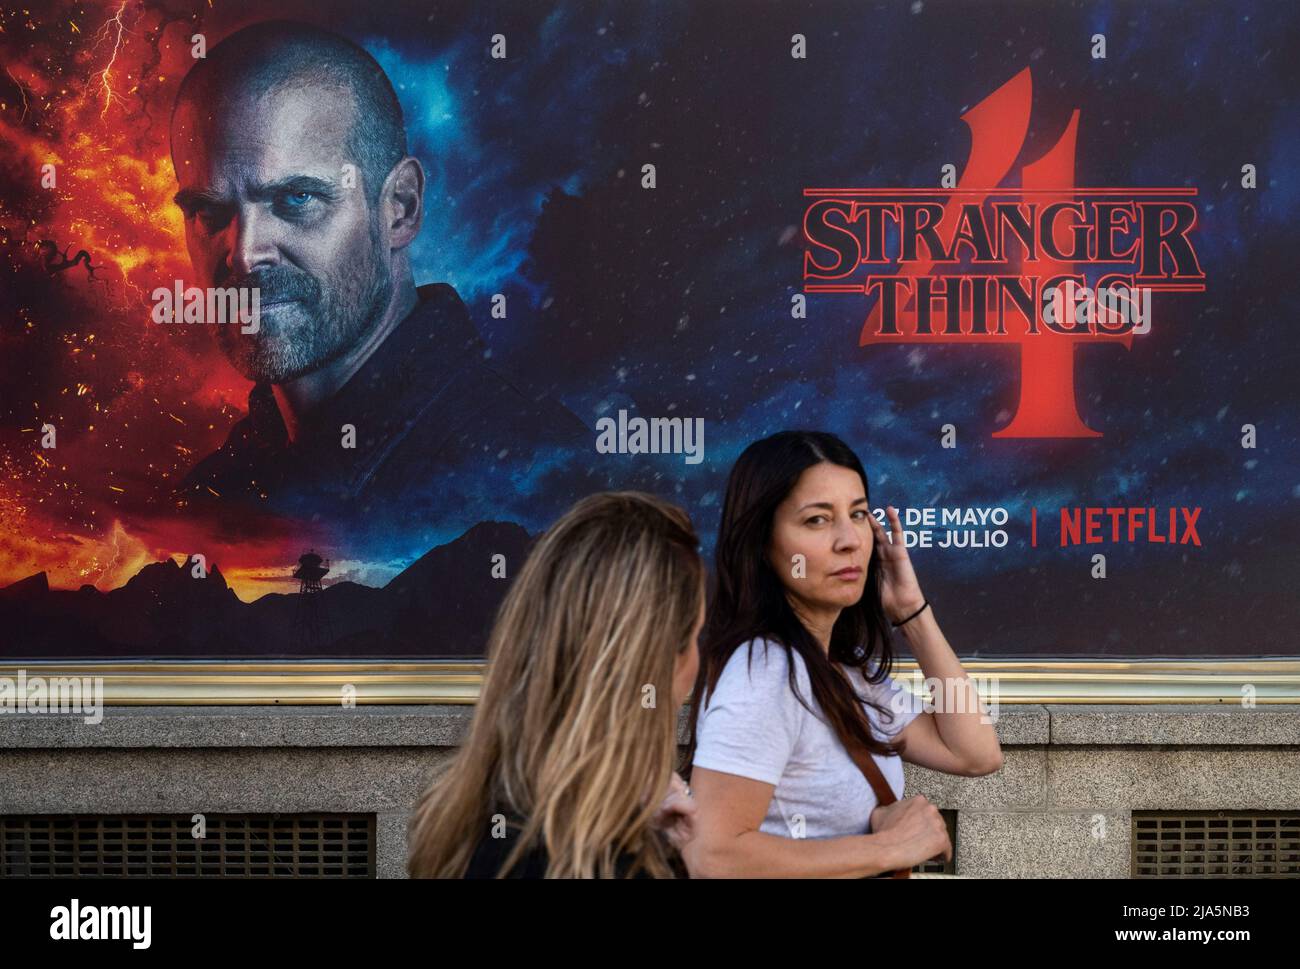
(1029, 261)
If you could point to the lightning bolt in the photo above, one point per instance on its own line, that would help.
(107, 32)
(117, 551)
(21, 90)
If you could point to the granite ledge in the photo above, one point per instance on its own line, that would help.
(445, 725)
(1266, 725)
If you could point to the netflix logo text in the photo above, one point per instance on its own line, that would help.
(1094, 525)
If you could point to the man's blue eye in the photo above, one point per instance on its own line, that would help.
(298, 198)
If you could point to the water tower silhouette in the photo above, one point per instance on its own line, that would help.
(311, 628)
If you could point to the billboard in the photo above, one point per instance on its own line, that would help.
(290, 373)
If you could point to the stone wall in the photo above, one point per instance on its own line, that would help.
(1059, 807)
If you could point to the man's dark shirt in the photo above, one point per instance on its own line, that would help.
(437, 429)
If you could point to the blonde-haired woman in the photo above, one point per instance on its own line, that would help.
(568, 767)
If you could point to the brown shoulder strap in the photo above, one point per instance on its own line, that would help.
(884, 793)
(867, 764)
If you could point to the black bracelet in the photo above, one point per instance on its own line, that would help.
(913, 615)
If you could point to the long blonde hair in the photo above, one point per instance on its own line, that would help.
(575, 729)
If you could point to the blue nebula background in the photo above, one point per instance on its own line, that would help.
(676, 301)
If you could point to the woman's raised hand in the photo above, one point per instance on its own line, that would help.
(900, 591)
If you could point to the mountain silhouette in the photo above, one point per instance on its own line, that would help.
(442, 605)
(26, 590)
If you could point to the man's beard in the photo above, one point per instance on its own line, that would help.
(325, 323)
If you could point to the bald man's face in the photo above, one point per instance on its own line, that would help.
(262, 188)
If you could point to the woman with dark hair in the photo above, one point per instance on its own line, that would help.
(794, 682)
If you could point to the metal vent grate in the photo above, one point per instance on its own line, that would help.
(944, 867)
(163, 846)
(1216, 844)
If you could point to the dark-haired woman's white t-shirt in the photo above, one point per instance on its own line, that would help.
(754, 726)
